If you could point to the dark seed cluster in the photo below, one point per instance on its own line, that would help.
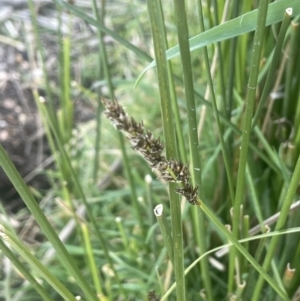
(189, 193)
(151, 149)
(141, 140)
(174, 171)
(152, 296)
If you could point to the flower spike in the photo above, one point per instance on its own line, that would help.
(143, 141)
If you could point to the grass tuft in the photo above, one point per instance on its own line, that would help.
(174, 217)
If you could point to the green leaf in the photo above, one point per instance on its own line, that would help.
(233, 28)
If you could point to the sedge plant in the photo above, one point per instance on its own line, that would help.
(225, 92)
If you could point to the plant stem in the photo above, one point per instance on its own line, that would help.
(243, 251)
(279, 225)
(272, 69)
(159, 40)
(105, 65)
(252, 85)
(198, 220)
(24, 270)
(43, 222)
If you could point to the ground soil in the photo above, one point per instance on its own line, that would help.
(21, 131)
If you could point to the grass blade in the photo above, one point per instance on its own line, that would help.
(41, 219)
(233, 28)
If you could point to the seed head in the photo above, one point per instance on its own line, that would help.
(143, 141)
(189, 193)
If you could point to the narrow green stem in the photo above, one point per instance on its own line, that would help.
(20, 266)
(123, 236)
(178, 124)
(279, 225)
(220, 132)
(215, 109)
(41, 219)
(164, 229)
(101, 63)
(232, 63)
(67, 105)
(81, 194)
(91, 259)
(105, 65)
(228, 111)
(258, 41)
(245, 235)
(253, 196)
(159, 40)
(38, 266)
(275, 58)
(221, 61)
(256, 53)
(272, 154)
(261, 239)
(243, 251)
(40, 50)
(288, 102)
(185, 55)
